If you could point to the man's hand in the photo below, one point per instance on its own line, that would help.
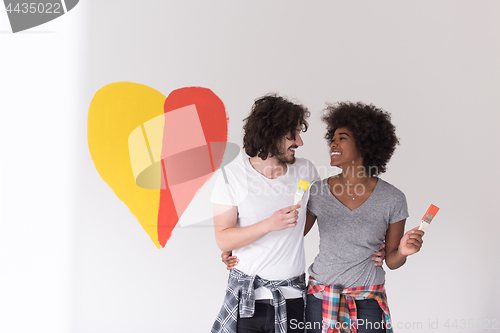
(283, 218)
(229, 260)
(379, 256)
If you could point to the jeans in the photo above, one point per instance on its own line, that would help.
(369, 315)
(263, 318)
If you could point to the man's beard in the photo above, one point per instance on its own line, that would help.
(283, 157)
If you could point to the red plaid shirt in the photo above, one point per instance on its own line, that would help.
(339, 307)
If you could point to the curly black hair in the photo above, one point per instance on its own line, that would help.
(272, 117)
(373, 132)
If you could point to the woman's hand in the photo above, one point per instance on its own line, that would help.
(379, 256)
(229, 260)
(400, 245)
(411, 242)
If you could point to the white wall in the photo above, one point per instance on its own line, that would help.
(72, 257)
(40, 98)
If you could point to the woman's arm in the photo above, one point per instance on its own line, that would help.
(229, 259)
(310, 219)
(399, 246)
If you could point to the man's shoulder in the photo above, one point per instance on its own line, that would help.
(304, 169)
(300, 161)
(238, 164)
(320, 182)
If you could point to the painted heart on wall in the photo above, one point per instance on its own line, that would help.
(156, 152)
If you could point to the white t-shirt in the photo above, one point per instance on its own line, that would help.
(279, 254)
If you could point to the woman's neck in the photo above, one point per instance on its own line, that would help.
(354, 174)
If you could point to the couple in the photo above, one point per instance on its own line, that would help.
(356, 213)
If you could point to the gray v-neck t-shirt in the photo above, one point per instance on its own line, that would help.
(349, 238)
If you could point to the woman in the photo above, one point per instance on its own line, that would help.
(356, 212)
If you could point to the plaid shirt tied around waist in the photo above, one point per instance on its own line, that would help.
(339, 307)
(240, 297)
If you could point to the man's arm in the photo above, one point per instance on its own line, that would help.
(229, 237)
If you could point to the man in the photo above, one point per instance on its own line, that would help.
(255, 218)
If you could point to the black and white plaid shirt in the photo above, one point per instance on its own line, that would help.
(240, 296)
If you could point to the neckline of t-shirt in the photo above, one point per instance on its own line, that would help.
(363, 204)
(247, 162)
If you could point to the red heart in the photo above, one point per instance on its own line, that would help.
(186, 171)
